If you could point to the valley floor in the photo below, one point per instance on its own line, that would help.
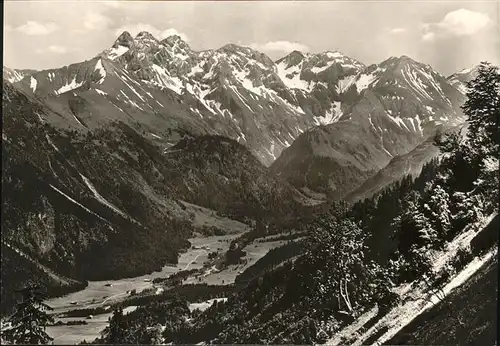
(104, 293)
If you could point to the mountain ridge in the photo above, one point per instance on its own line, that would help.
(240, 93)
(233, 91)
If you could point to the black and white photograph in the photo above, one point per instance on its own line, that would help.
(250, 172)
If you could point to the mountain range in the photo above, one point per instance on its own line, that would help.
(99, 155)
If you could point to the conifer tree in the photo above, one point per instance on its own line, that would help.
(483, 110)
(412, 226)
(439, 212)
(116, 332)
(29, 319)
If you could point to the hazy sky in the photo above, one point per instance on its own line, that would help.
(449, 35)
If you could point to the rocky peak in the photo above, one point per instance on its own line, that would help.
(406, 58)
(241, 56)
(465, 75)
(124, 40)
(328, 58)
(292, 59)
(175, 41)
(404, 66)
(145, 36)
(178, 48)
(400, 61)
(234, 48)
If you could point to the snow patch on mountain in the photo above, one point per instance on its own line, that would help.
(115, 53)
(461, 87)
(240, 96)
(270, 151)
(290, 76)
(364, 81)
(459, 80)
(39, 117)
(414, 81)
(33, 83)
(15, 76)
(200, 94)
(69, 86)
(276, 98)
(51, 143)
(429, 109)
(100, 198)
(129, 101)
(133, 89)
(77, 120)
(344, 83)
(332, 115)
(163, 79)
(419, 124)
(398, 121)
(195, 70)
(75, 202)
(321, 69)
(101, 70)
(242, 77)
(431, 80)
(100, 92)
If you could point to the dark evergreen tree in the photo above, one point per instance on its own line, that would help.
(30, 319)
(448, 142)
(116, 332)
(438, 211)
(483, 110)
(412, 226)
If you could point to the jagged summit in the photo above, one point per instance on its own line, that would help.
(466, 72)
(296, 54)
(294, 58)
(318, 62)
(403, 59)
(175, 40)
(145, 35)
(233, 48)
(405, 66)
